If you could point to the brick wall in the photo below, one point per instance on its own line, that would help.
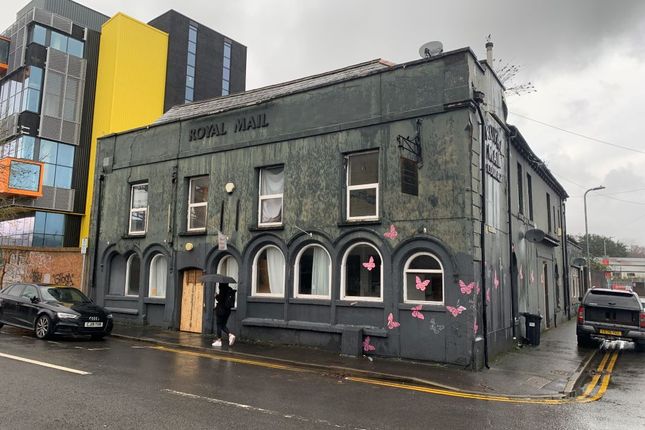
(61, 266)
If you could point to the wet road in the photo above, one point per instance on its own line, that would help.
(134, 385)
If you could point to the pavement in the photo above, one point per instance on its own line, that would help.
(554, 369)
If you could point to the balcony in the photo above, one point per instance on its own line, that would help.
(21, 178)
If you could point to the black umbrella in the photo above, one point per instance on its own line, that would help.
(222, 279)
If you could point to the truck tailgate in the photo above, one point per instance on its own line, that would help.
(612, 316)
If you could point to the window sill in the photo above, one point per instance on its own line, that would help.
(155, 300)
(310, 301)
(193, 233)
(253, 228)
(123, 298)
(265, 299)
(349, 303)
(133, 236)
(427, 307)
(359, 222)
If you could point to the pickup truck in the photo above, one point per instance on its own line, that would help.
(611, 314)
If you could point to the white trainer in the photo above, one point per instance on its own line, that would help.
(218, 342)
(231, 339)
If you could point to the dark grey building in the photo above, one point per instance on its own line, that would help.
(369, 208)
(202, 63)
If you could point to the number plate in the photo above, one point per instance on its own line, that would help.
(611, 332)
(93, 324)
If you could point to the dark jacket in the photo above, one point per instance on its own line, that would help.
(221, 308)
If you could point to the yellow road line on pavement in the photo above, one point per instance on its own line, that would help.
(233, 359)
(584, 398)
(596, 377)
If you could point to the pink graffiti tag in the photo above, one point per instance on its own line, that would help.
(496, 280)
(455, 311)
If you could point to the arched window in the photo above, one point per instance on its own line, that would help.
(132, 271)
(313, 273)
(362, 273)
(423, 279)
(268, 272)
(158, 276)
(228, 266)
(117, 275)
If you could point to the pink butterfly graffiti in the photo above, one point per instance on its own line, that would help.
(487, 295)
(496, 280)
(421, 285)
(392, 234)
(391, 324)
(367, 347)
(455, 311)
(475, 327)
(416, 312)
(521, 273)
(466, 289)
(370, 264)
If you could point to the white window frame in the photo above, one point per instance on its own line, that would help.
(296, 290)
(195, 205)
(220, 269)
(154, 261)
(406, 269)
(343, 280)
(349, 188)
(261, 198)
(136, 210)
(254, 281)
(126, 291)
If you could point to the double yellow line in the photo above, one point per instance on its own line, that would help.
(590, 394)
(586, 397)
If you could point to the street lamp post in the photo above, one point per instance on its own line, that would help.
(587, 235)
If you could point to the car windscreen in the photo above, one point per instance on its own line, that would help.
(64, 295)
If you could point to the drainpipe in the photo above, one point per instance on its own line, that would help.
(96, 236)
(477, 100)
(565, 261)
(510, 235)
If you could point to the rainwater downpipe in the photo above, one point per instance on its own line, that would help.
(514, 288)
(93, 265)
(482, 238)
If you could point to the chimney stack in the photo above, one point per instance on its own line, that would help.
(489, 53)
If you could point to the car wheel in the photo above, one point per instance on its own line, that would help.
(585, 341)
(43, 327)
(97, 336)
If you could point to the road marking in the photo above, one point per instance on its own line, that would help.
(43, 364)
(584, 398)
(257, 409)
(234, 360)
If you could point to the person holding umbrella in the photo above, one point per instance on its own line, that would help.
(225, 302)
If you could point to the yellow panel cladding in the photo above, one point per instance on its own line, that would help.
(130, 85)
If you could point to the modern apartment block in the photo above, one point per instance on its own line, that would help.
(62, 63)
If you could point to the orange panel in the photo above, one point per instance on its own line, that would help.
(12, 168)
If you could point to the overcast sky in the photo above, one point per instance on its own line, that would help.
(586, 59)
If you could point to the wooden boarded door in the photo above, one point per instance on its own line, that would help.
(192, 302)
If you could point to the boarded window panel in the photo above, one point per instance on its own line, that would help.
(409, 177)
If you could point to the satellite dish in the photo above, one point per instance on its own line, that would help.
(534, 235)
(431, 49)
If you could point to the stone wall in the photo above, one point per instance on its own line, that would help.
(61, 266)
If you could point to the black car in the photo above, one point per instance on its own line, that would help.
(53, 309)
